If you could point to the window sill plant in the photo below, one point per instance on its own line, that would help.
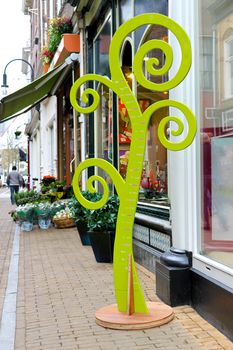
(57, 27)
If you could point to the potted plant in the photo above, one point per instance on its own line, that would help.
(22, 198)
(57, 27)
(24, 214)
(43, 214)
(64, 218)
(82, 214)
(101, 224)
(46, 55)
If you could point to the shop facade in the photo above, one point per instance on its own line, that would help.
(53, 130)
(185, 198)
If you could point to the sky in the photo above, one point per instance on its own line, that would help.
(14, 35)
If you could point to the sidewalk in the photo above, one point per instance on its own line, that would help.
(61, 286)
(7, 229)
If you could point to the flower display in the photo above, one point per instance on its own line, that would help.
(42, 209)
(57, 27)
(46, 55)
(47, 180)
(66, 213)
(25, 212)
(57, 206)
(25, 216)
(60, 25)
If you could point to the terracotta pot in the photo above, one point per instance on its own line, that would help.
(46, 67)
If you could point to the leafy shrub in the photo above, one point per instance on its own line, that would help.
(25, 197)
(104, 219)
(81, 213)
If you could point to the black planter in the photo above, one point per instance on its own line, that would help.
(83, 232)
(173, 284)
(102, 245)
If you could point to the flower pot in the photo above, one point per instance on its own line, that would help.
(44, 223)
(83, 232)
(27, 226)
(46, 67)
(102, 245)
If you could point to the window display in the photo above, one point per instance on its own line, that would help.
(154, 174)
(216, 77)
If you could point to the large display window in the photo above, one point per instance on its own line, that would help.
(154, 183)
(216, 95)
(153, 187)
(103, 137)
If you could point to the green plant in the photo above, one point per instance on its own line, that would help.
(25, 197)
(104, 219)
(46, 55)
(56, 207)
(81, 213)
(25, 212)
(47, 180)
(57, 27)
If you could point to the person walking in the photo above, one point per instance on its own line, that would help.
(14, 181)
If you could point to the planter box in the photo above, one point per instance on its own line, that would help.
(83, 232)
(69, 43)
(102, 245)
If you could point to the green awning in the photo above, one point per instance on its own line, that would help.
(24, 99)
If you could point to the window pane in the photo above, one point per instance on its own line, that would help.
(231, 70)
(104, 117)
(153, 189)
(231, 48)
(216, 77)
(102, 44)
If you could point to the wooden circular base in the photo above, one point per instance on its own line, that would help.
(110, 317)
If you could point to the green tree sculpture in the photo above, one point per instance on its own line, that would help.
(128, 189)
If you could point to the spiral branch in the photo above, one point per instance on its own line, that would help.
(190, 117)
(149, 19)
(85, 97)
(151, 64)
(118, 181)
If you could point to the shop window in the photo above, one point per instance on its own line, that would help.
(153, 188)
(103, 132)
(103, 138)
(216, 237)
(101, 49)
(206, 63)
(103, 127)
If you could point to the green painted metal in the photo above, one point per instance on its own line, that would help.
(30, 94)
(128, 189)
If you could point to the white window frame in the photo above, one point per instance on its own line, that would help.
(186, 188)
(228, 61)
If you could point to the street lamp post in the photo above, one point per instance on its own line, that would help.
(4, 84)
(4, 80)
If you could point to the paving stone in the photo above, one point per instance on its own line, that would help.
(60, 288)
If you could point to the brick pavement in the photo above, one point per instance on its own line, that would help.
(61, 286)
(7, 229)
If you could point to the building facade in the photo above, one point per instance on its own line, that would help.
(186, 197)
(50, 130)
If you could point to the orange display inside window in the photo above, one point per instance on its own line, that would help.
(125, 127)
